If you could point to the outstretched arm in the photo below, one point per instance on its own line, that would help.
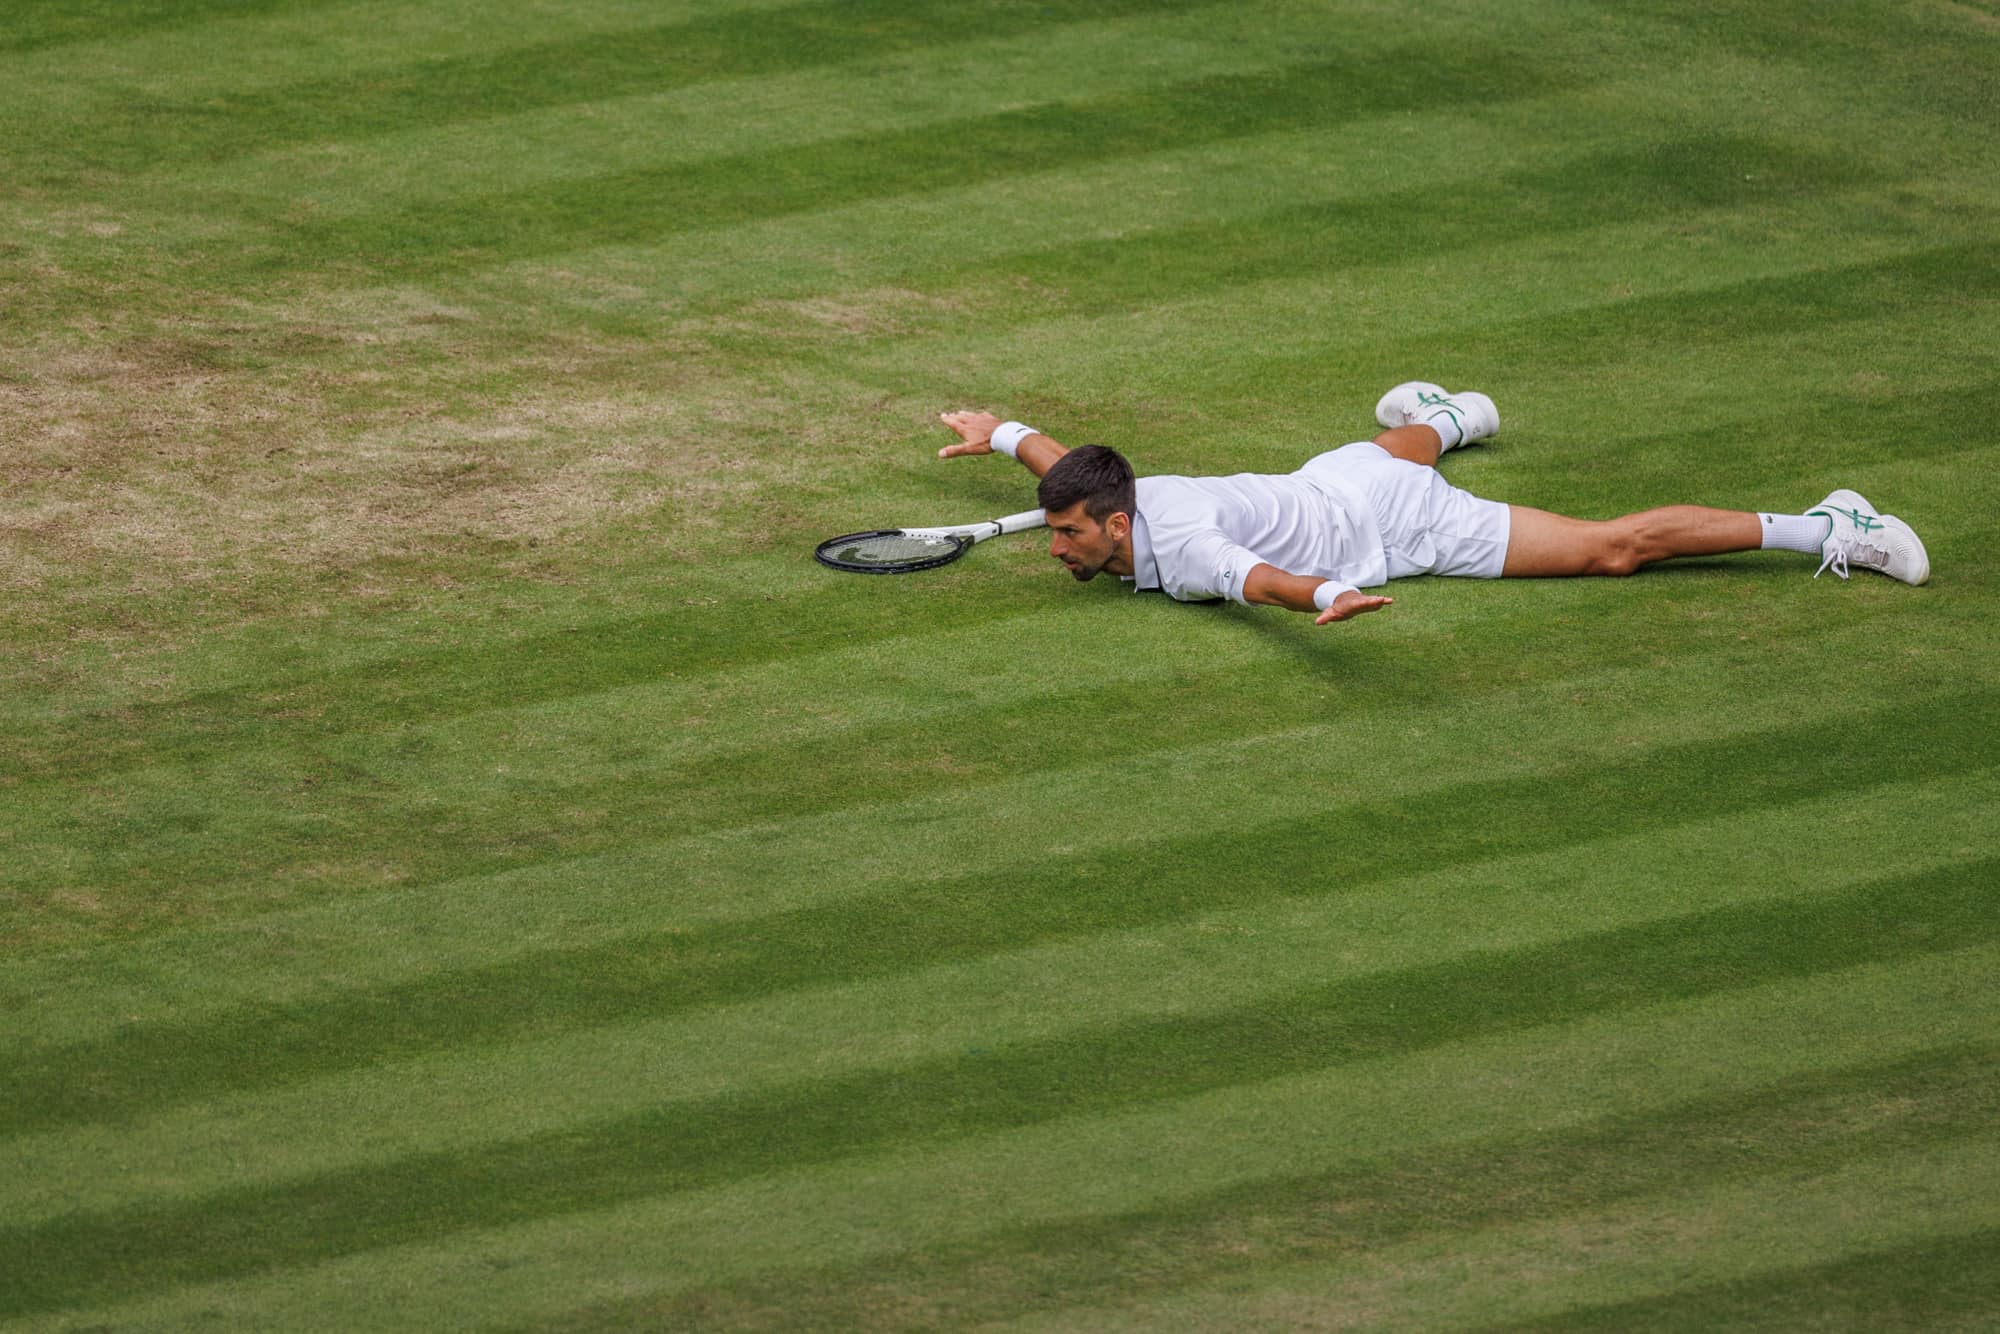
(1037, 452)
(1269, 586)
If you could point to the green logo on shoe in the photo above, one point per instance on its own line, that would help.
(1429, 400)
(1865, 522)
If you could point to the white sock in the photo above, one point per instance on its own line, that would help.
(1795, 532)
(1451, 430)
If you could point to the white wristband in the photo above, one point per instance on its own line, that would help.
(1007, 438)
(1324, 595)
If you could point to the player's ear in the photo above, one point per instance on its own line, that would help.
(1118, 525)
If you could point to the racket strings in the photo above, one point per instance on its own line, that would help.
(892, 549)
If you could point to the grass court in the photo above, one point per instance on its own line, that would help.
(463, 865)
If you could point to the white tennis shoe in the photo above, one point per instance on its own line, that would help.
(1862, 537)
(1467, 414)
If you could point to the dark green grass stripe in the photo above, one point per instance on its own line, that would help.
(1173, 263)
(389, 800)
(1945, 1282)
(1951, 280)
(1166, 267)
(144, 132)
(650, 206)
(34, 25)
(104, 1257)
(1810, 1124)
(389, 796)
(480, 671)
(1928, 59)
(1780, 305)
(906, 927)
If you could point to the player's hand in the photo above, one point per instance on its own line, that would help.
(975, 433)
(1351, 604)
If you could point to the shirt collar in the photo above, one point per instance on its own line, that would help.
(1145, 576)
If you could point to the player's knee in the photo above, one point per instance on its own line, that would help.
(1616, 555)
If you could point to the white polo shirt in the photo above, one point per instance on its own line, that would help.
(1198, 538)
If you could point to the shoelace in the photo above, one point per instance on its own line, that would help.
(1842, 549)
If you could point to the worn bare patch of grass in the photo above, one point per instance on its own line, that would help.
(196, 451)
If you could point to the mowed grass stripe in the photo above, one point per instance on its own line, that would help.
(151, 132)
(690, 1147)
(494, 666)
(362, 795)
(37, 25)
(1684, 177)
(864, 245)
(875, 247)
(682, 648)
(346, 799)
(653, 130)
(518, 786)
(1517, 292)
(1226, 958)
(714, 875)
(642, 206)
(1948, 1281)
(1537, 1080)
(369, 938)
(1800, 1126)
(360, 790)
(489, 663)
(260, 46)
(1926, 60)
(978, 913)
(1511, 1274)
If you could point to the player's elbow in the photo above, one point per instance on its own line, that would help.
(1262, 587)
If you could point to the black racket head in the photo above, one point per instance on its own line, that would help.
(890, 551)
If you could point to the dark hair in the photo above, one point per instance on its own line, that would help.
(1098, 476)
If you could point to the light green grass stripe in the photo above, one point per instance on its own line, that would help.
(1942, 1281)
(226, 53)
(1463, 147)
(276, 789)
(538, 735)
(845, 253)
(685, 729)
(1653, 1247)
(1563, 1076)
(1254, 327)
(1217, 961)
(759, 114)
(696, 878)
(749, 115)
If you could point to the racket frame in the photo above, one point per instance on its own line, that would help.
(964, 535)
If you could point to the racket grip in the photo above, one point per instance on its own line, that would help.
(1022, 522)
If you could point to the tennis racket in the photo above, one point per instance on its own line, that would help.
(901, 550)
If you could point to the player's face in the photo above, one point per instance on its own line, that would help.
(1081, 543)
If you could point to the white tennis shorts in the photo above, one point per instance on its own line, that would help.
(1428, 525)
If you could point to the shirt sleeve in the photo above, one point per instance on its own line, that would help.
(1208, 565)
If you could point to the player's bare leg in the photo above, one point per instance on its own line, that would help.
(1418, 444)
(1543, 545)
(1843, 530)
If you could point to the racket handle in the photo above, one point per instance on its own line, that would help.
(1022, 522)
(979, 532)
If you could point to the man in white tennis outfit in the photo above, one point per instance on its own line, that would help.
(1363, 514)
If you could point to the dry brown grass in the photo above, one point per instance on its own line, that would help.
(175, 457)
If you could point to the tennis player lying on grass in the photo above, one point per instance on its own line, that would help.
(1358, 516)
